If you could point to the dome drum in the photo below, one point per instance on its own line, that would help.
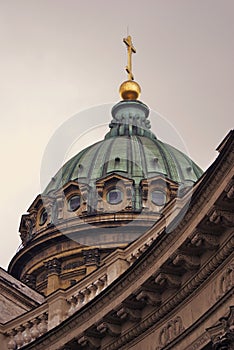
(70, 265)
(113, 194)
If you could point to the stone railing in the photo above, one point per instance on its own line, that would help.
(26, 332)
(83, 296)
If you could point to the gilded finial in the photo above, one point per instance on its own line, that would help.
(129, 90)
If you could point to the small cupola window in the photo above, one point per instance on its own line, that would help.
(43, 217)
(74, 203)
(114, 196)
(158, 197)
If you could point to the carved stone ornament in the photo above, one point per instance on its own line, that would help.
(89, 342)
(60, 206)
(189, 262)
(222, 217)
(170, 331)
(230, 193)
(91, 256)
(205, 240)
(226, 281)
(222, 335)
(199, 342)
(168, 279)
(29, 280)
(133, 315)
(148, 297)
(26, 228)
(53, 266)
(112, 329)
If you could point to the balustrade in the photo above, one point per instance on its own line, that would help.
(27, 332)
(83, 296)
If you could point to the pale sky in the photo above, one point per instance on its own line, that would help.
(60, 57)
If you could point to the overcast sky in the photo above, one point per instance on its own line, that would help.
(59, 57)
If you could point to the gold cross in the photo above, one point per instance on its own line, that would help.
(131, 49)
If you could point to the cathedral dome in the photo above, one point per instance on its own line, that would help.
(130, 150)
(105, 197)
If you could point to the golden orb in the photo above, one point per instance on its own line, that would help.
(129, 90)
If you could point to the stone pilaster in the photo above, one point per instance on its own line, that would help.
(91, 259)
(53, 268)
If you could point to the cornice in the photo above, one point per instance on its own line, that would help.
(176, 300)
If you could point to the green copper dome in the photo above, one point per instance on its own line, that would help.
(131, 150)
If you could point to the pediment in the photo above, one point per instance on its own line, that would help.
(160, 179)
(113, 178)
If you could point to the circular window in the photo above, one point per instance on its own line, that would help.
(114, 196)
(43, 217)
(158, 197)
(74, 203)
